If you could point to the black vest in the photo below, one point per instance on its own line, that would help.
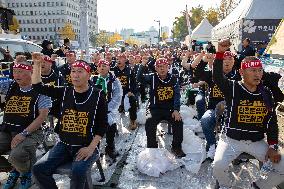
(21, 108)
(66, 71)
(52, 79)
(124, 77)
(76, 125)
(247, 115)
(163, 92)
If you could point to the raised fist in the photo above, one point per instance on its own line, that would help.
(36, 57)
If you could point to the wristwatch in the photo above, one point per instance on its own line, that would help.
(25, 133)
(274, 147)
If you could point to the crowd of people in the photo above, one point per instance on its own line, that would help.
(85, 96)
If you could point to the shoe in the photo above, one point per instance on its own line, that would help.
(211, 152)
(26, 180)
(132, 124)
(178, 152)
(111, 152)
(12, 180)
(254, 186)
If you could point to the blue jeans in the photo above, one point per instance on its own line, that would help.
(208, 122)
(58, 155)
(200, 104)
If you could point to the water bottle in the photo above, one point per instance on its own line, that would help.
(265, 169)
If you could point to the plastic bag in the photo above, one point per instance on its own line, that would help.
(195, 151)
(187, 112)
(192, 124)
(154, 161)
(141, 116)
(126, 103)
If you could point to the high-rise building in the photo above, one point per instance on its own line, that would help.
(42, 19)
(166, 30)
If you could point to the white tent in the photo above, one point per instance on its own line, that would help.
(203, 31)
(255, 19)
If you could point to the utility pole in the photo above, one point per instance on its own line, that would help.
(159, 32)
(84, 33)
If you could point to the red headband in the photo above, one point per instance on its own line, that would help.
(22, 66)
(102, 61)
(82, 64)
(161, 61)
(228, 54)
(251, 64)
(47, 59)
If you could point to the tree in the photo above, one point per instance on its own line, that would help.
(164, 36)
(226, 7)
(15, 26)
(67, 31)
(212, 16)
(132, 41)
(180, 26)
(99, 39)
(115, 37)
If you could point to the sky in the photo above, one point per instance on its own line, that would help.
(113, 15)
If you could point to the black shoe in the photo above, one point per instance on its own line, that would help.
(111, 152)
(178, 152)
(254, 186)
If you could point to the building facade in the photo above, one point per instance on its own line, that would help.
(42, 19)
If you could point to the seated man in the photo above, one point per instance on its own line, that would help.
(24, 114)
(250, 114)
(113, 90)
(164, 103)
(82, 124)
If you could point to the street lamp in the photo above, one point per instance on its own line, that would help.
(159, 32)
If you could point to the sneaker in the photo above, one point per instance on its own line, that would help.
(178, 152)
(211, 152)
(12, 180)
(132, 124)
(26, 180)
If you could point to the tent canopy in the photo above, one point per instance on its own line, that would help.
(203, 31)
(254, 9)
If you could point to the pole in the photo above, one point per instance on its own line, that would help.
(84, 34)
(188, 25)
(159, 32)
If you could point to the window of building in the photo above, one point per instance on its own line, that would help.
(33, 29)
(50, 29)
(42, 37)
(36, 21)
(32, 21)
(62, 4)
(8, 4)
(48, 4)
(26, 5)
(43, 4)
(38, 37)
(37, 29)
(27, 13)
(31, 5)
(52, 4)
(17, 4)
(24, 22)
(28, 21)
(24, 29)
(49, 21)
(39, 4)
(45, 29)
(29, 29)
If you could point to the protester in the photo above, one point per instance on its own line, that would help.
(113, 90)
(20, 131)
(250, 115)
(127, 80)
(164, 104)
(82, 124)
(65, 69)
(47, 48)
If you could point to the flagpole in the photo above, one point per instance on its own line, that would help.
(188, 25)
